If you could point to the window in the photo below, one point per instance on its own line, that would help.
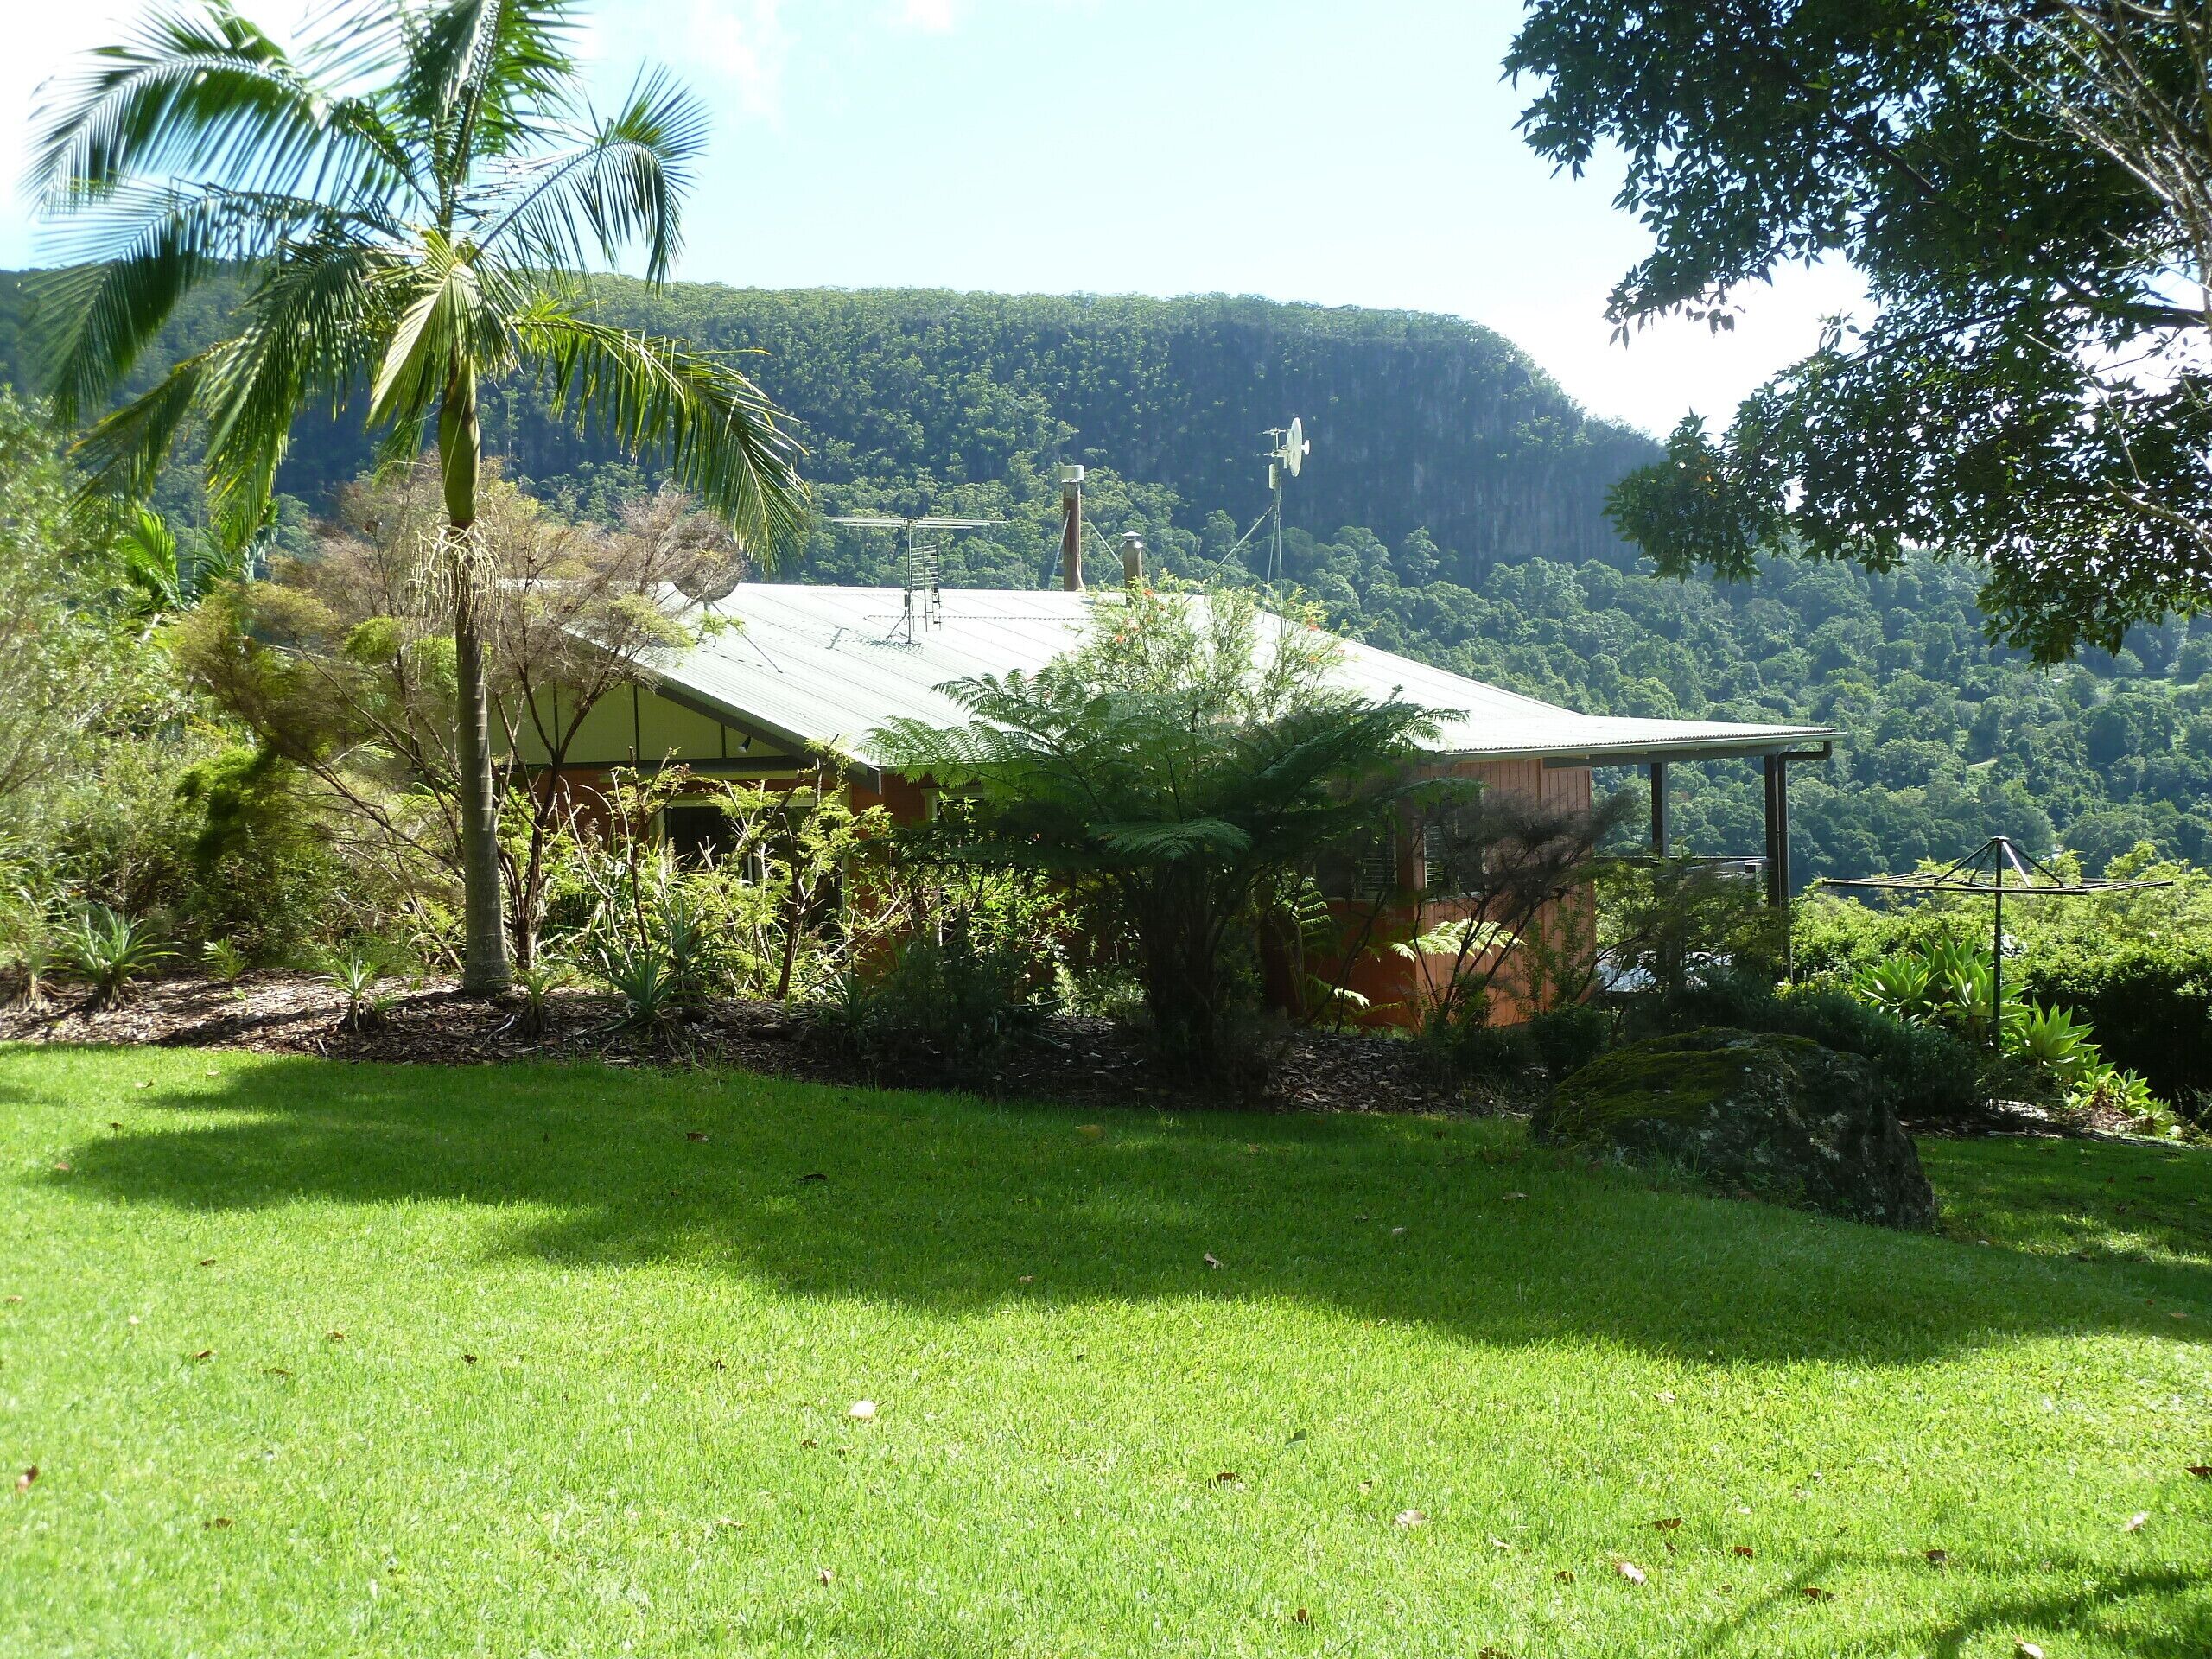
(697, 835)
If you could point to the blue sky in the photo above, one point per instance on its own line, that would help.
(1348, 154)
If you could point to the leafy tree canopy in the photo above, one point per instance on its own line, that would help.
(2027, 186)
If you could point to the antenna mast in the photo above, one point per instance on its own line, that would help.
(925, 606)
(1287, 448)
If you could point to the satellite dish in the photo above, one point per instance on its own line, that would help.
(1294, 446)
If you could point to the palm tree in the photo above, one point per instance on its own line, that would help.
(408, 194)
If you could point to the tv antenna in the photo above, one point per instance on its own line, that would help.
(1287, 448)
(925, 606)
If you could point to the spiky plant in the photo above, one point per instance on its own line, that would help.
(407, 197)
(111, 952)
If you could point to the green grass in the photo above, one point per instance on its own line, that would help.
(651, 1452)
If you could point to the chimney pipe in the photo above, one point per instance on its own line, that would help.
(1071, 529)
(1131, 559)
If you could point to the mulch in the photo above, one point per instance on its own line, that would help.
(1067, 1060)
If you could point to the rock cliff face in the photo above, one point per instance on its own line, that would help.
(1417, 421)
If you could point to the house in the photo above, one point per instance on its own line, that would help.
(786, 672)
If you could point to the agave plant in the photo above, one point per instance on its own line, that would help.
(537, 982)
(112, 951)
(2054, 1040)
(402, 197)
(2106, 1088)
(1897, 985)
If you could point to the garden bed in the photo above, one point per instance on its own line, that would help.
(1070, 1059)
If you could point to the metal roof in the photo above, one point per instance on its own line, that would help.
(824, 667)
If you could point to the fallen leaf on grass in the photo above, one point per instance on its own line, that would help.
(219, 1521)
(1665, 1396)
(1410, 1519)
(1939, 1557)
(273, 1370)
(808, 1445)
(724, 1520)
(2135, 1522)
(2026, 1650)
(861, 1411)
(1027, 1279)
(823, 1575)
(15, 1299)
(2202, 1471)
(1630, 1571)
(1090, 1131)
(1744, 1550)
(61, 1169)
(1226, 1478)
(1813, 1592)
(1515, 1195)
(813, 1175)
(1565, 1575)
(148, 1083)
(1397, 1232)
(1500, 1543)
(468, 1359)
(1212, 1261)
(205, 1353)
(333, 1335)
(1673, 1522)
(207, 1260)
(1301, 1616)
(113, 1124)
(695, 1135)
(24, 1481)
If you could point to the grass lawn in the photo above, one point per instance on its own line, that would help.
(601, 1331)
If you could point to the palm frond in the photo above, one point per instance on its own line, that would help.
(123, 454)
(487, 78)
(619, 189)
(312, 327)
(718, 430)
(198, 92)
(451, 308)
(145, 249)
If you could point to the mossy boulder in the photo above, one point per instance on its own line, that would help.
(1779, 1116)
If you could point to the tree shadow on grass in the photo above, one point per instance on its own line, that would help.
(2151, 1612)
(946, 1204)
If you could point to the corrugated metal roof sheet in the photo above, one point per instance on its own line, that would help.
(820, 666)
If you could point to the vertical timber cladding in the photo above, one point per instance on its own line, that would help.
(1565, 788)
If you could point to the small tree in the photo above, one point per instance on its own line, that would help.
(1171, 771)
(335, 665)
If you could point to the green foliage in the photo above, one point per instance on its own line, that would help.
(111, 952)
(225, 963)
(262, 875)
(1188, 761)
(2005, 176)
(1931, 1075)
(932, 998)
(357, 972)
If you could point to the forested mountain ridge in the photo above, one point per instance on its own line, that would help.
(1418, 422)
(1452, 510)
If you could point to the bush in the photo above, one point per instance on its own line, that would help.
(941, 998)
(1931, 1075)
(2152, 1006)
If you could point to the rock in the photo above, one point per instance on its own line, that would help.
(1780, 1117)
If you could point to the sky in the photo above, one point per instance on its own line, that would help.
(1302, 149)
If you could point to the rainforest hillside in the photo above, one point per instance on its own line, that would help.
(1452, 508)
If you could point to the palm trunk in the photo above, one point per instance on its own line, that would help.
(484, 967)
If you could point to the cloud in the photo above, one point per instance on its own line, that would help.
(742, 46)
(931, 16)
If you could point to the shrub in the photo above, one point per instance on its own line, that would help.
(1567, 1040)
(2151, 1003)
(943, 998)
(1931, 1075)
(112, 951)
(537, 982)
